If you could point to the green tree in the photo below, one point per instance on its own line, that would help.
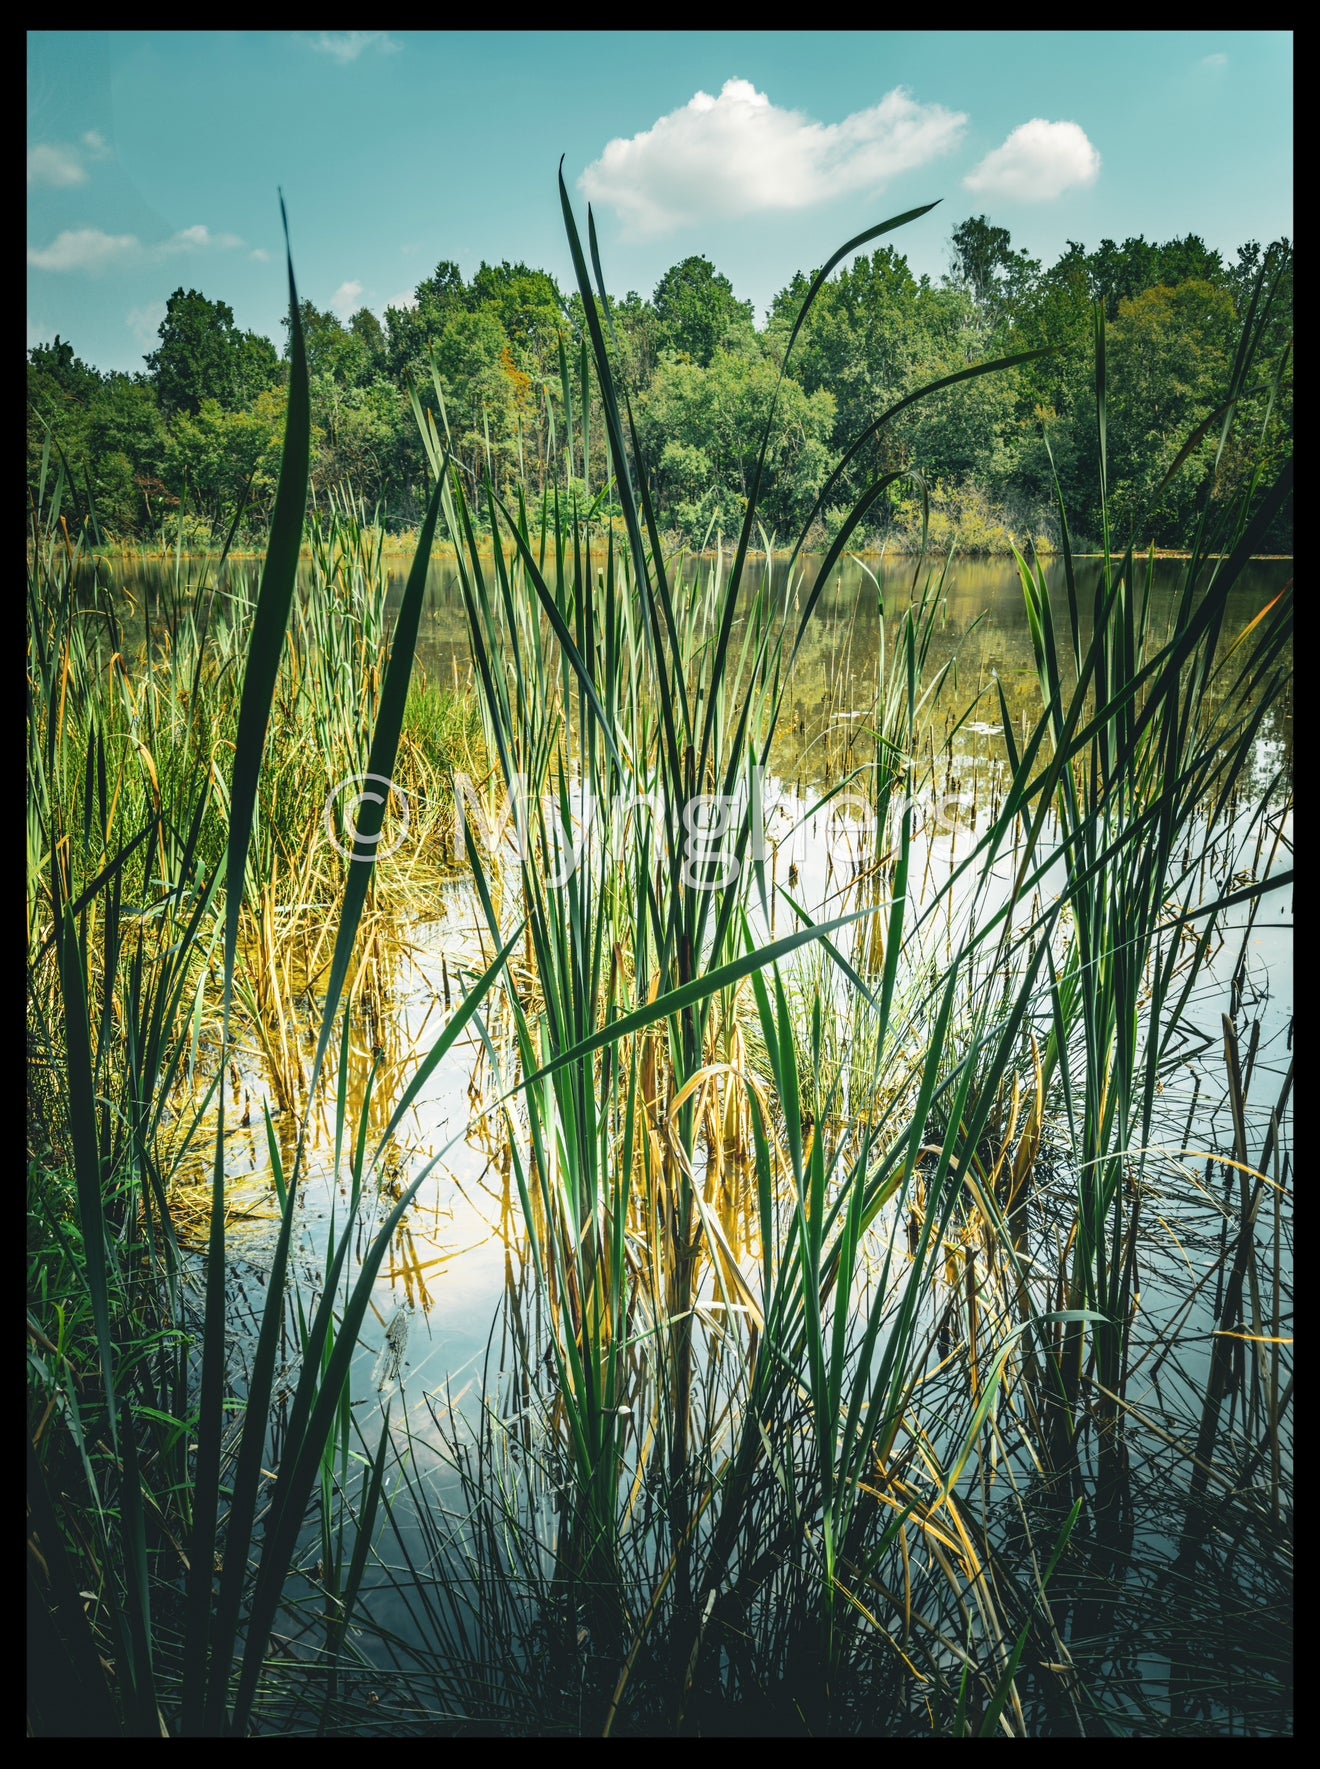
(195, 359)
(488, 399)
(871, 334)
(1120, 273)
(983, 262)
(225, 460)
(126, 443)
(54, 369)
(876, 332)
(700, 375)
(526, 302)
(334, 351)
(105, 430)
(370, 333)
(1170, 352)
(410, 331)
(369, 444)
(701, 433)
(202, 355)
(699, 314)
(257, 367)
(443, 293)
(637, 328)
(60, 387)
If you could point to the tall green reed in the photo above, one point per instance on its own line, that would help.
(793, 1323)
(683, 1373)
(130, 991)
(612, 673)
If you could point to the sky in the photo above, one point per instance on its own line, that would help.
(156, 159)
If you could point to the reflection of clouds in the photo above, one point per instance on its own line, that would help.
(1269, 759)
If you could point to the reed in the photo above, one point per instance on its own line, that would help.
(823, 1404)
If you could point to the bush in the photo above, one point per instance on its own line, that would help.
(963, 514)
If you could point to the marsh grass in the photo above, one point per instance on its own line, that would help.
(824, 1403)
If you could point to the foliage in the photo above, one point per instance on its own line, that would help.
(698, 314)
(488, 350)
(984, 262)
(823, 1407)
(702, 429)
(959, 514)
(228, 461)
(202, 355)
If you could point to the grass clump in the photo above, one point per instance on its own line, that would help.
(822, 1405)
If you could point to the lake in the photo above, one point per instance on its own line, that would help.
(455, 1343)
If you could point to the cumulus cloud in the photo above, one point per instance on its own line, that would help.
(1038, 161)
(190, 239)
(56, 166)
(89, 248)
(260, 255)
(61, 166)
(739, 154)
(347, 46)
(84, 248)
(407, 299)
(347, 298)
(1217, 60)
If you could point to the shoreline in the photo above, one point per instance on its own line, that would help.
(446, 547)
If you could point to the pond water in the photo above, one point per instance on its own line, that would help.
(458, 1279)
(982, 633)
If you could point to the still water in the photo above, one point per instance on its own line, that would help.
(457, 1256)
(981, 633)
(458, 1271)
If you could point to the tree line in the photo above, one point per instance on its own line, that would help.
(193, 440)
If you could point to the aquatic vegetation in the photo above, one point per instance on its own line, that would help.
(822, 1405)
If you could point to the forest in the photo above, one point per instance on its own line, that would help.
(187, 450)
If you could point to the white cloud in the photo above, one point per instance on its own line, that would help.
(260, 255)
(1038, 161)
(347, 298)
(57, 166)
(88, 248)
(199, 238)
(1217, 60)
(407, 299)
(84, 248)
(144, 322)
(739, 154)
(347, 46)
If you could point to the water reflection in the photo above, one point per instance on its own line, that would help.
(982, 635)
(458, 1273)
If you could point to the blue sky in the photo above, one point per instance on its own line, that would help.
(154, 158)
